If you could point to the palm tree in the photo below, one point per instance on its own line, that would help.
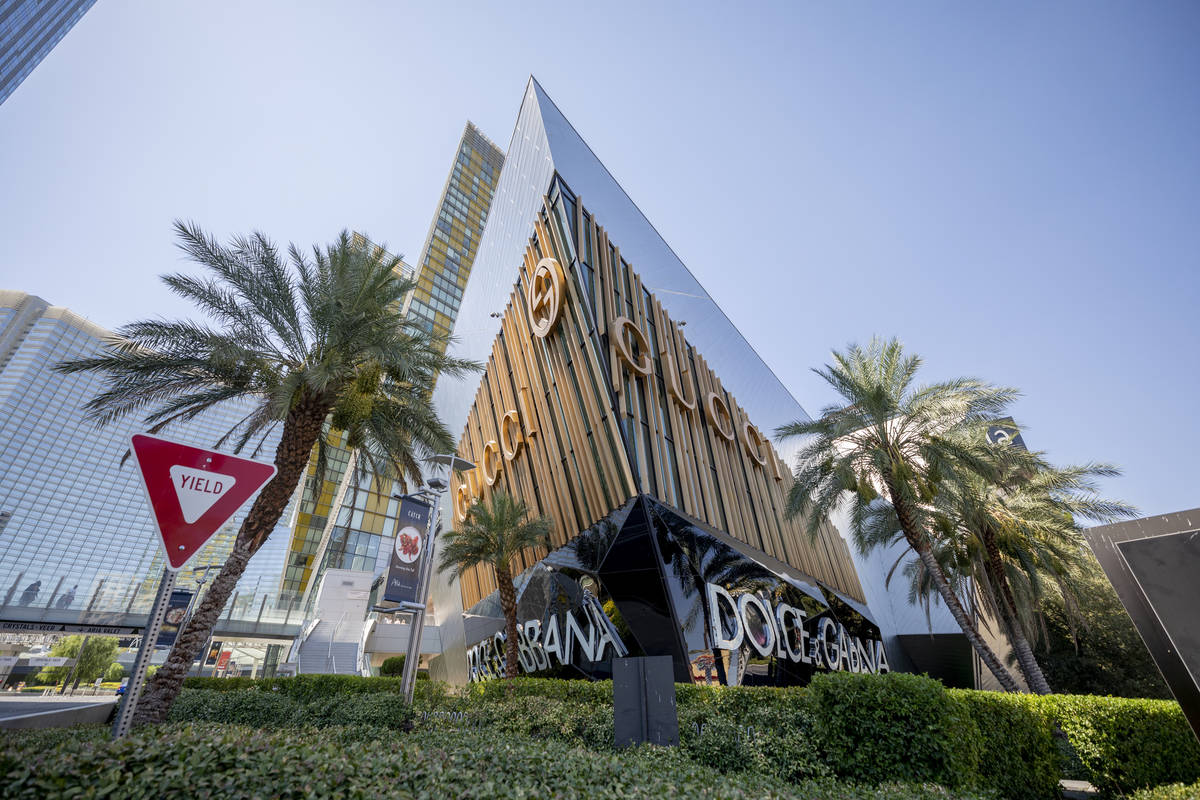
(899, 442)
(494, 533)
(1011, 536)
(314, 341)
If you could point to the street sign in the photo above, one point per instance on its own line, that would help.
(193, 492)
(404, 572)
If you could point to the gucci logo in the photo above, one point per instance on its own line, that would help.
(546, 292)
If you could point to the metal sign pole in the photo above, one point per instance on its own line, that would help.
(75, 667)
(149, 636)
(409, 679)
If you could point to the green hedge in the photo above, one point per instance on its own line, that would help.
(1172, 791)
(875, 729)
(900, 727)
(360, 762)
(1128, 744)
(260, 709)
(892, 727)
(1017, 752)
(310, 687)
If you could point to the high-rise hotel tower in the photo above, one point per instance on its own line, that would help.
(29, 30)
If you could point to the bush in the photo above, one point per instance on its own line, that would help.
(314, 687)
(114, 673)
(891, 727)
(1019, 757)
(259, 709)
(1127, 744)
(393, 667)
(771, 740)
(1173, 791)
(869, 728)
(235, 763)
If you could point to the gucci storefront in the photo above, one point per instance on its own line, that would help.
(645, 442)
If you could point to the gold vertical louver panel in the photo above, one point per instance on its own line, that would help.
(588, 400)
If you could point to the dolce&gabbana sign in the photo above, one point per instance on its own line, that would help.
(785, 633)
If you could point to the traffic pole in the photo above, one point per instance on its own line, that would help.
(124, 719)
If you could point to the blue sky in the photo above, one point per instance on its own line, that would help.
(1012, 189)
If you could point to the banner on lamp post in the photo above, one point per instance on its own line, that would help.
(177, 608)
(404, 572)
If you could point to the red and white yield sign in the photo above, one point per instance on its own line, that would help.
(193, 492)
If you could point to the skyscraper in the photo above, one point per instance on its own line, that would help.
(455, 232)
(29, 29)
(71, 515)
(344, 525)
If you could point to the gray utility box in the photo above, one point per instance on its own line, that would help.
(644, 701)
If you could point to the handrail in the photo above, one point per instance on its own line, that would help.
(332, 636)
(364, 663)
(305, 632)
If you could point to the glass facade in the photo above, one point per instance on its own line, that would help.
(455, 232)
(77, 542)
(29, 29)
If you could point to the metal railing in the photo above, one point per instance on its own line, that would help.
(305, 632)
(332, 638)
(364, 661)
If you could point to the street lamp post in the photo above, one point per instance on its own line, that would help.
(437, 487)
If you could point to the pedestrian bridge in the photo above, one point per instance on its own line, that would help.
(263, 622)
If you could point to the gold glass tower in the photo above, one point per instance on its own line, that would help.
(455, 232)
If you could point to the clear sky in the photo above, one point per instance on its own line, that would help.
(1013, 189)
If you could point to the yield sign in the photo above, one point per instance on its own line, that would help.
(193, 492)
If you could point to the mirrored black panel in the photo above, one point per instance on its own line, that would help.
(650, 580)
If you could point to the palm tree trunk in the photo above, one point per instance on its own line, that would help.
(300, 431)
(914, 535)
(986, 654)
(508, 604)
(1011, 619)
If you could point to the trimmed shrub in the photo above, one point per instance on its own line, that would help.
(313, 687)
(393, 667)
(770, 740)
(236, 763)
(1128, 744)
(1018, 757)
(1172, 791)
(869, 728)
(893, 727)
(259, 709)
(591, 692)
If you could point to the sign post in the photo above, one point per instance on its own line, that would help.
(424, 565)
(192, 492)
